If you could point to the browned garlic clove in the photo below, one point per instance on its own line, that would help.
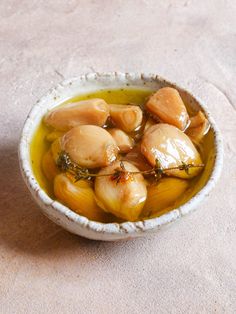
(126, 117)
(170, 147)
(198, 128)
(89, 146)
(93, 111)
(124, 199)
(167, 105)
(124, 142)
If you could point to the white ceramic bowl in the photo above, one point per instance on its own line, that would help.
(61, 214)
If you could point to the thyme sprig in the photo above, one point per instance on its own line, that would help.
(120, 174)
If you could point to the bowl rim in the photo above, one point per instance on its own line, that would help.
(114, 228)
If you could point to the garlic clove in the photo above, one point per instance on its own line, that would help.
(89, 146)
(196, 120)
(136, 158)
(163, 194)
(49, 167)
(170, 147)
(124, 199)
(198, 128)
(56, 149)
(51, 137)
(93, 111)
(78, 196)
(124, 142)
(126, 117)
(150, 122)
(168, 106)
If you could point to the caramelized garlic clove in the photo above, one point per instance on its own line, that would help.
(78, 196)
(163, 194)
(49, 167)
(136, 158)
(126, 117)
(170, 147)
(198, 128)
(89, 146)
(124, 142)
(93, 111)
(124, 199)
(169, 107)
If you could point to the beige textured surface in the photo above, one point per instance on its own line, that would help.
(189, 267)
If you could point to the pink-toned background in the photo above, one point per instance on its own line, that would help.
(189, 267)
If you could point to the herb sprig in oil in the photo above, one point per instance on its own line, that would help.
(120, 174)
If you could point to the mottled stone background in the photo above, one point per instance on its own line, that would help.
(187, 268)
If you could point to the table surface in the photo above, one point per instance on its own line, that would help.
(190, 266)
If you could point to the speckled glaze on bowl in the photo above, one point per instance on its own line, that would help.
(61, 214)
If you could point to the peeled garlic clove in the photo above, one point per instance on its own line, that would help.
(136, 158)
(196, 134)
(93, 111)
(78, 196)
(51, 137)
(89, 146)
(124, 199)
(198, 128)
(56, 149)
(163, 194)
(49, 167)
(124, 142)
(167, 105)
(197, 120)
(170, 147)
(126, 117)
(150, 122)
